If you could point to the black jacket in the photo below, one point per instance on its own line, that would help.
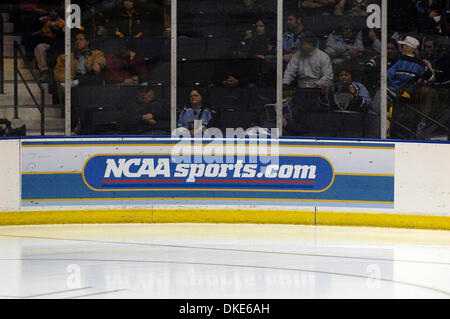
(132, 122)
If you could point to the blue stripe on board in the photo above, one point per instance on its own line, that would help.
(67, 186)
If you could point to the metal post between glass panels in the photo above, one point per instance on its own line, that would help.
(173, 66)
(67, 87)
(280, 66)
(383, 100)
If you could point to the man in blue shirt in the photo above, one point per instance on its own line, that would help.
(291, 37)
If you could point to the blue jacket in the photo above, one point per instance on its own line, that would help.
(402, 73)
(364, 100)
(188, 116)
(360, 103)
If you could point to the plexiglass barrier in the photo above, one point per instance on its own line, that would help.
(149, 66)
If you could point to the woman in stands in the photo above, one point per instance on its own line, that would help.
(197, 110)
(261, 43)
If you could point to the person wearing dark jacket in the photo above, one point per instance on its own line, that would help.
(236, 70)
(94, 20)
(129, 22)
(125, 66)
(148, 116)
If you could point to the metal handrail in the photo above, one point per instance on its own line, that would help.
(421, 114)
(429, 119)
(41, 107)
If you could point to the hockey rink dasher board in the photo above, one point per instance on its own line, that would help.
(117, 171)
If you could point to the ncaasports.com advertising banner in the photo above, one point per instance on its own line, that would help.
(76, 172)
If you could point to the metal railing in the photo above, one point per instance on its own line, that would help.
(41, 106)
(421, 114)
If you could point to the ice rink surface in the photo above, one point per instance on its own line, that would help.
(211, 261)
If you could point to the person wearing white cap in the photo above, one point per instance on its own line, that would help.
(410, 46)
(408, 67)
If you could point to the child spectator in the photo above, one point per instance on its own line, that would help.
(347, 94)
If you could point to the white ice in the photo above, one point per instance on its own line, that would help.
(222, 261)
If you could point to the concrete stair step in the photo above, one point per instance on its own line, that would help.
(9, 86)
(9, 69)
(9, 50)
(51, 124)
(47, 133)
(8, 44)
(9, 39)
(5, 16)
(24, 96)
(32, 112)
(8, 27)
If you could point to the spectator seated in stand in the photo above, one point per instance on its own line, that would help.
(430, 15)
(50, 42)
(393, 52)
(86, 68)
(261, 42)
(236, 69)
(407, 68)
(86, 64)
(345, 44)
(243, 14)
(291, 37)
(197, 110)
(259, 48)
(148, 116)
(127, 21)
(125, 66)
(356, 8)
(29, 24)
(432, 98)
(403, 79)
(322, 7)
(94, 21)
(430, 49)
(310, 66)
(346, 94)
